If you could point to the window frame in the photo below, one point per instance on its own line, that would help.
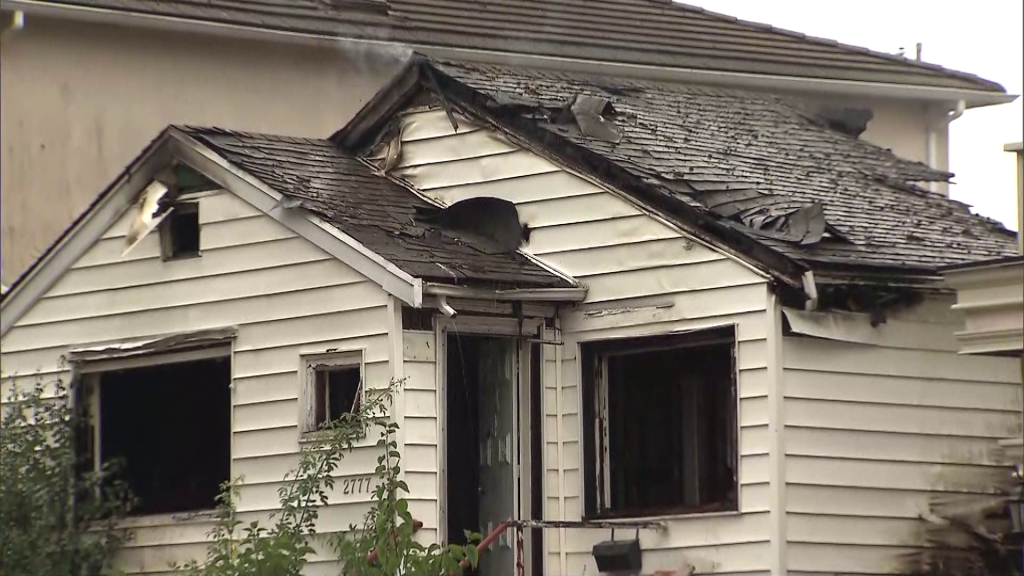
(88, 368)
(593, 355)
(182, 205)
(308, 429)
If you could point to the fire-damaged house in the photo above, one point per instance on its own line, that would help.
(712, 318)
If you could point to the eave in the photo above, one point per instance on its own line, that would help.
(768, 82)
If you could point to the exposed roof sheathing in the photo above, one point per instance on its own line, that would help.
(372, 209)
(646, 32)
(771, 151)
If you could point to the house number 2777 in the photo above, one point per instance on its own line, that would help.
(356, 485)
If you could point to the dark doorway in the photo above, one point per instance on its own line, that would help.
(482, 450)
(462, 451)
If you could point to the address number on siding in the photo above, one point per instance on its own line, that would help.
(357, 485)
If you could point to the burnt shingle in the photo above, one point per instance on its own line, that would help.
(689, 137)
(372, 209)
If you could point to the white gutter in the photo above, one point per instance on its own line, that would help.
(941, 123)
(516, 295)
(972, 98)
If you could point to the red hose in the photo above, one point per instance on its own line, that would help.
(486, 542)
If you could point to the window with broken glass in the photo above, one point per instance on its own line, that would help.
(179, 232)
(333, 388)
(661, 437)
(167, 420)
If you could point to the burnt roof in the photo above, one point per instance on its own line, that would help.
(647, 32)
(717, 151)
(375, 211)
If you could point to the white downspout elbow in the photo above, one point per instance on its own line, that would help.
(17, 22)
(941, 123)
(810, 290)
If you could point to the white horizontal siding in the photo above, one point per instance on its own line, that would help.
(287, 298)
(874, 433)
(644, 278)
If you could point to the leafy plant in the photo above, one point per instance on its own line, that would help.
(57, 515)
(252, 549)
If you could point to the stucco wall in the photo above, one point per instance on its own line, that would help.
(79, 101)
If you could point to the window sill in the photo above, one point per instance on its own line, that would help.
(189, 256)
(168, 519)
(652, 517)
(311, 439)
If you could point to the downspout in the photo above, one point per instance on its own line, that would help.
(810, 290)
(941, 123)
(562, 556)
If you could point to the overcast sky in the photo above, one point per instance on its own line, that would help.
(983, 37)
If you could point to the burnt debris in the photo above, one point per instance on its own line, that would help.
(590, 116)
(491, 224)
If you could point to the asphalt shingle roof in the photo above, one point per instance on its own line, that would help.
(372, 209)
(647, 32)
(679, 136)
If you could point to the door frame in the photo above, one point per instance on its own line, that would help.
(497, 327)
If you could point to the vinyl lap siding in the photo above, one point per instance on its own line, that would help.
(286, 297)
(644, 278)
(874, 432)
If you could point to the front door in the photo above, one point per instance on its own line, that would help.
(498, 448)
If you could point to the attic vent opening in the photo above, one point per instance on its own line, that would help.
(179, 233)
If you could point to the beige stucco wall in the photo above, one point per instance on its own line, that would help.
(79, 101)
(902, 126)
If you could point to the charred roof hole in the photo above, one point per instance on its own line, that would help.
(489, 224)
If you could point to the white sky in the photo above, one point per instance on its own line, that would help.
(983, 37)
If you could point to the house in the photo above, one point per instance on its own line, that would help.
(724, 328)
(90, 81)
(990, 294)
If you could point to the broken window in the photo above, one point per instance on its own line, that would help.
(661, 436)
(168, 426)
(333, 388)
(179, 233)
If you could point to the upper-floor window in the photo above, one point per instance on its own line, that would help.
(661, 437)
(179, 232)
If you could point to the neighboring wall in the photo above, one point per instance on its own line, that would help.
(286, 297)
(80, 100)
(627, 259)
(874, 432)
